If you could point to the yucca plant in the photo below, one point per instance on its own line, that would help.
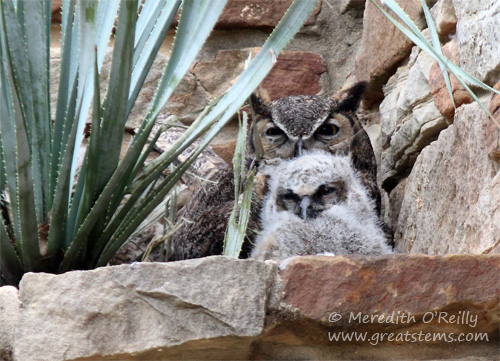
(52, 220)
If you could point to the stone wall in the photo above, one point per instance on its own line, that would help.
(220, 308)
(438, 166)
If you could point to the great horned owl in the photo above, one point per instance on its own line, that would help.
(316, 204)
(287, 126)
(280, 129)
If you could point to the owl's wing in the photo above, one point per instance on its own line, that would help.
(207, 215)
(363, 159)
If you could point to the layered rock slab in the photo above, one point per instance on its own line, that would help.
(141, 309)
(10, 308)
(403, 297)
(222, 308)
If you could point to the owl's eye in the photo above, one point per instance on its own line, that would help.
(289, 196)
(274, 132)
(327, 130)
(325, 190)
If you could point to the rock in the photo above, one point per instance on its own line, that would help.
(55, 11)
(439, 90)
(351, 4)
(225, 151)
(226, 309)
(493, 136)
(10, 307)
(411, 284)
(443, 14)
(258, 14)
(383, 47)
(327, 296)
(449, 203)
(294, 73)
(409, 119)
(142, 310)
(478, 38)
(392, 204)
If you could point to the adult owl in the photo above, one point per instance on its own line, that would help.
(316, 204)
(281, 129)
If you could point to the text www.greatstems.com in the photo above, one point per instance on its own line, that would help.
(407, 336)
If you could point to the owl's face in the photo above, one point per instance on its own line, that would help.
(285, 127)
(311, 184)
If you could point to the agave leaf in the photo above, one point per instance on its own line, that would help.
(126, 165)
(18, 61)
(7, 129)
(196, 21)
(25, 192)
(144, 54)
(235, 232)
(437, 46)
(107, 137)
(60, 210)
(10, 265)
(93, 16)
(59, 137)
(37, 40)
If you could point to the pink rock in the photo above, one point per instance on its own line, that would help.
(438, 86)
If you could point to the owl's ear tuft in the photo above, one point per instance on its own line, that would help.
(349, 99)
(258, 106)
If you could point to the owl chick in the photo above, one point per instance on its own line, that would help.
(317, 205)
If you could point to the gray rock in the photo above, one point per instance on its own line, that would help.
(478, 38)
(10, 306)
(443, 14)
(141, 309)
(409, 119)
(351, 4)
(451, 200)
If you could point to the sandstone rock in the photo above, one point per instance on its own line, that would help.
(259, 14)
(56, 11)
(225, 151)
(443, 14)
(412, 284)
(438, 86)
(478, 38)
(324, 296)
(493, 135)
(294, 73)
(143, 309)
(10, 307)
(383, 47)
(392, 204)
(449, 206)
(409, 119)
(222, 308)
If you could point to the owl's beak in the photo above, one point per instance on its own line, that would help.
(298, 147)
(305, 204)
